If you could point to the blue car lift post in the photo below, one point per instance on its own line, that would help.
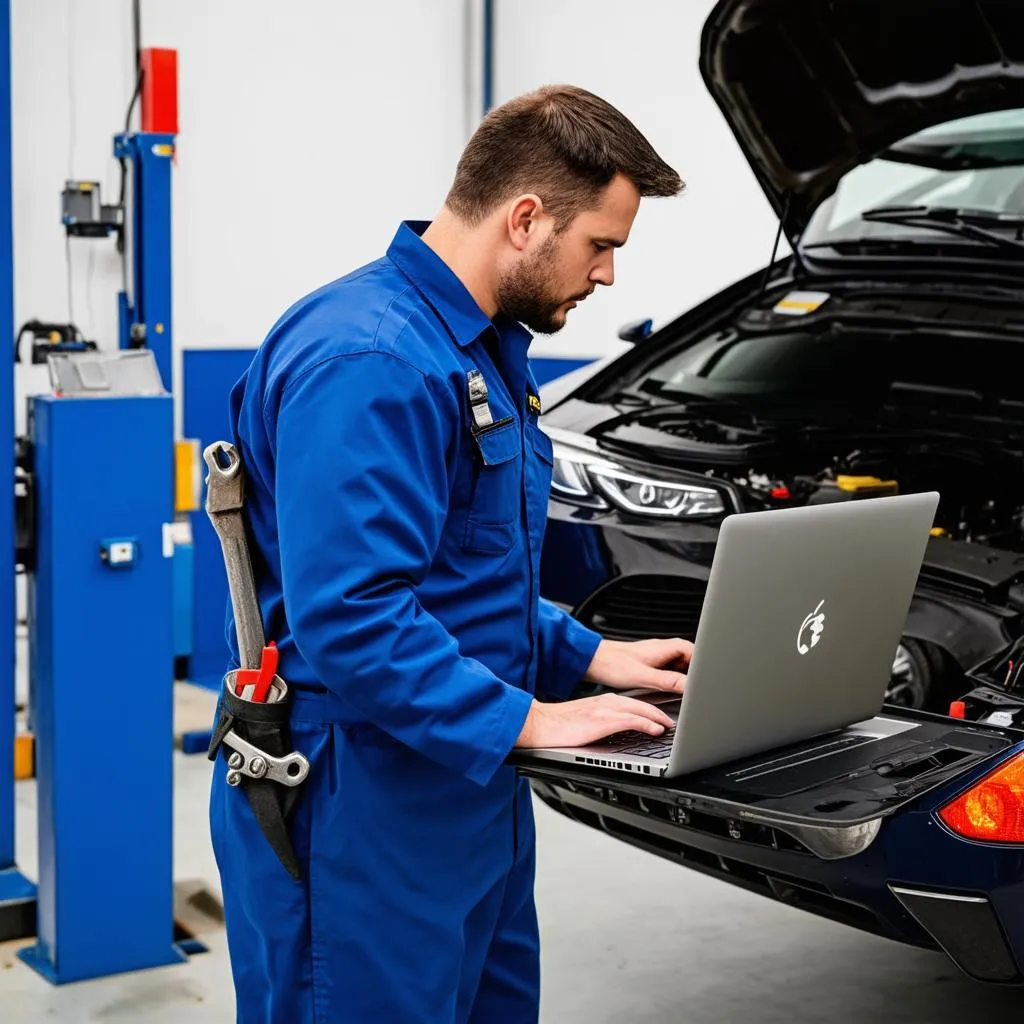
(148, 321)
(100, 627)
(17, 893)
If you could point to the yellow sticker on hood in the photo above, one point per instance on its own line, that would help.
(800, 303)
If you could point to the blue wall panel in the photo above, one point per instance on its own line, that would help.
(209, 375)
(184, 597)
(545, 369)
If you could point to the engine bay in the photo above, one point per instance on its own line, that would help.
(981, 493)
(835, 412)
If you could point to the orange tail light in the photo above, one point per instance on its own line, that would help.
(993, 808)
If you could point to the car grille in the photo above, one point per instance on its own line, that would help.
(700, 844)
(637, 607)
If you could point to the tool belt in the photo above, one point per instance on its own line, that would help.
(251, 732)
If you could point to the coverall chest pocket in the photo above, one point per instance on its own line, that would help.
(492, 521)
(541, 444)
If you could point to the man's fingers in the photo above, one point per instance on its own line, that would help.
(681, 650)
(674, 651)
(630, 723)
(642, 709)
(654, 728)
(662, 679)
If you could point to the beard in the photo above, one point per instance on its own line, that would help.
(527, 293)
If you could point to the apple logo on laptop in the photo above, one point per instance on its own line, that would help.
(814, 624)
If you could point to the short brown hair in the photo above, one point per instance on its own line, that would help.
(564, 144)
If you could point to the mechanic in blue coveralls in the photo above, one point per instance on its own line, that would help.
(396, 522)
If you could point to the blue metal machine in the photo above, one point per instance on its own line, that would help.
(103, 711)
(17, 894)
(101, 624)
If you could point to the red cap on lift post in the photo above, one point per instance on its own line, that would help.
(160, 91)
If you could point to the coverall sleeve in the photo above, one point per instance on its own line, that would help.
(565, 651)
(362, 497)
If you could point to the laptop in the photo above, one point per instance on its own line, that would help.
(804, 611)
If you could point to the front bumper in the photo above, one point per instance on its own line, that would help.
(909, 879)
(761, 859)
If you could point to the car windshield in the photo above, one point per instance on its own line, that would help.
(974, 163)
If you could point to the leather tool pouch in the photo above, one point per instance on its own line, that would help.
(261, 769)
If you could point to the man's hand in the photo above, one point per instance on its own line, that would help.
(642, 664)
(576, 723)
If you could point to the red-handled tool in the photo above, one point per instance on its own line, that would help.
(258, 678)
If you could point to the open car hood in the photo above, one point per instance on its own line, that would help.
(812, 88)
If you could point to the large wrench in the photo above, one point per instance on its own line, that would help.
(225, 495)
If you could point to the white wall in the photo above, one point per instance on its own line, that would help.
(642, 57)
(71, 69)
(307, 131)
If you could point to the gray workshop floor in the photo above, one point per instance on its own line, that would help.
(627, 938)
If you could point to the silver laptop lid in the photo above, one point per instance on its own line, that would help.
(804, 611)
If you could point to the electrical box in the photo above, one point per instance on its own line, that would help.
(84, 214)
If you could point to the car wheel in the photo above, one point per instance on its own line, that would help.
(916, 679)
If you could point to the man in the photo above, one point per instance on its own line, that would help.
(396, 510)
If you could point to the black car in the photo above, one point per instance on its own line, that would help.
(885, 354)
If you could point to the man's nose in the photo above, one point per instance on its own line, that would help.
(604, 271)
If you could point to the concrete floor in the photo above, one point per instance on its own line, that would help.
(627, 937)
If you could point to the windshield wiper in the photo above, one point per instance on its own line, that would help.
(976, 224)
(935, 390)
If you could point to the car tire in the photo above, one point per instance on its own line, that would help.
(920, 677)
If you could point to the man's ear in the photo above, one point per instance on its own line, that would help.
(523, 219)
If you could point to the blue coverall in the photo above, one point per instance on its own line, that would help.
(396, 553)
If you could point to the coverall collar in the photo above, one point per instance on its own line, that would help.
(444, 291)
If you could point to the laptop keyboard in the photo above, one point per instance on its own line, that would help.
(634, 742)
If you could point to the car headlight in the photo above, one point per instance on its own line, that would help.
(582, 475)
